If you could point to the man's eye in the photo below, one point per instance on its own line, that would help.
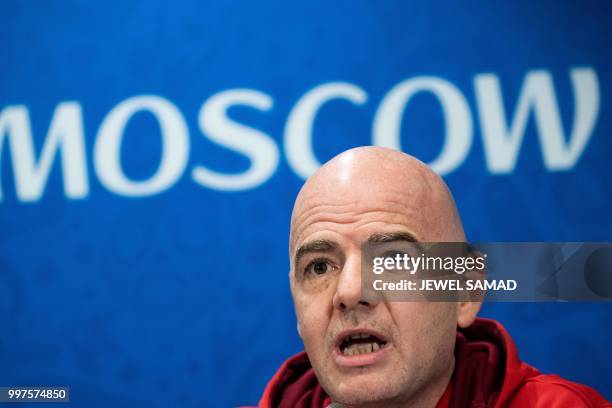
(318, 267)
(393, 254)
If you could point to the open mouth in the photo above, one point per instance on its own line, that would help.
(360, 343)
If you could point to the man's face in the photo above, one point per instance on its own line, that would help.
(365, 352)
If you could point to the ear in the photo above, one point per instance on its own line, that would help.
(466, 313)
(467, 310)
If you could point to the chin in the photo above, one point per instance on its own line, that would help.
(360, 398)
(361, 389)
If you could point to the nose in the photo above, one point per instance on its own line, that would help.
(349, 293)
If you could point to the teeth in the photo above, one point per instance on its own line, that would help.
(358, 336)
(357, 349)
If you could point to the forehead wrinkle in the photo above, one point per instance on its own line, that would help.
(394, 199)
(349, 216)
(316, 215)
(299, 215)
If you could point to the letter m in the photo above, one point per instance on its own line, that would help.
(502, 142)
(65, 135)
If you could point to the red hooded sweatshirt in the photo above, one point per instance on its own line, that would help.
(488, 373)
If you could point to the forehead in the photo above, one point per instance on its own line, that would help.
(354, 215)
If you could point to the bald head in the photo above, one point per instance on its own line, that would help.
(372, 194)
(373, 179)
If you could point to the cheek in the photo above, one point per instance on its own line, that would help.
(312, 300)
(426, 329)
(313, 319)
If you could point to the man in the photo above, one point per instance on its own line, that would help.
(374, 353)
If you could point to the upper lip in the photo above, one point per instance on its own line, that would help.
(343, 334)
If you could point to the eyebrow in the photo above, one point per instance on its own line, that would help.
(319, 245)
(325, 245)
(392, 237)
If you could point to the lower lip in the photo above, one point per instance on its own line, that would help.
(360, 360)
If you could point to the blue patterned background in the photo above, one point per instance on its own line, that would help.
(180, 297)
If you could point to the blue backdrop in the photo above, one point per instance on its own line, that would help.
(151, 153)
